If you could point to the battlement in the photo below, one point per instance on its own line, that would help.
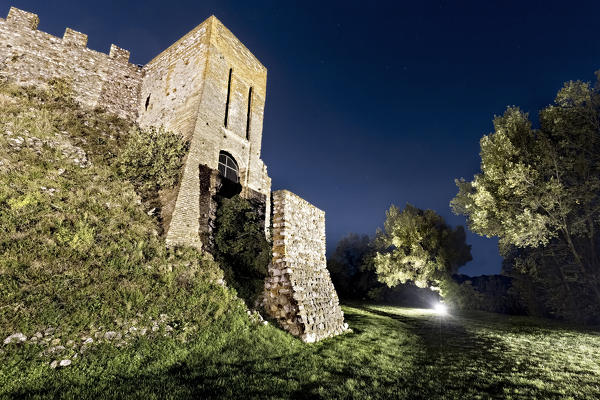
(30, 56)
(21, 18)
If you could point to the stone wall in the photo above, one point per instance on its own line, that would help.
(299, 292)
(29, 56)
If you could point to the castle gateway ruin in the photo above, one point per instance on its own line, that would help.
(209, 88)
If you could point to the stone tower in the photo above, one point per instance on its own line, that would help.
(211, 89)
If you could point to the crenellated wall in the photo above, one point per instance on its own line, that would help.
(30, 56)
(299, 292)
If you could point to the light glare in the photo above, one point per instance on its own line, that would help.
(441, 309)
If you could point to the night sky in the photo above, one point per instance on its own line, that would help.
(371, 103)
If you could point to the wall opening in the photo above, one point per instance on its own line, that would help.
(249, 113)
(228, 94)
(148, 101)
(228, 167)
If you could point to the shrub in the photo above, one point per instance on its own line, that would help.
(152, 159)
(241, 247)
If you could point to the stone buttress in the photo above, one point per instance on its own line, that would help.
(299, 292)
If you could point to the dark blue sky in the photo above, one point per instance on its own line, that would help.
(371, 103)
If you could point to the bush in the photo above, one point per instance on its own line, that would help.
(152, 159)
(241, 248)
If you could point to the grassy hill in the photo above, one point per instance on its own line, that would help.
(85, 277)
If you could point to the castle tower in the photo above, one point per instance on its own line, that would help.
(211, 89)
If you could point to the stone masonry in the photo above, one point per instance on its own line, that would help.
(299, 292)
(29, 56)
(209, 88)
(185, 89)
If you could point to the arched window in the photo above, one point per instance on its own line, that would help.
(228, 167)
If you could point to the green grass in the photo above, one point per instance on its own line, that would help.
(391, 353)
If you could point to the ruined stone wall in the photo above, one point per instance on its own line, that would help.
(29, 56)
(299, 292)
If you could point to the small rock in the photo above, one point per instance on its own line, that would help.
(110, 335)
(49, 331)
(54, 364)
(151, 212)
(55, 349)
(65, 363)
(38, 335)
(88, 341)
(55, 342)
(15, 337)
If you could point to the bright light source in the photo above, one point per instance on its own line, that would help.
(441, 309)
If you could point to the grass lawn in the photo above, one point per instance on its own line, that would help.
(392, 353)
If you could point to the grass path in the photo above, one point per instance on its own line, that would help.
(392, 353)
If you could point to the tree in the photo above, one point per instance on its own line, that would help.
(346, 266)
(417, 245)
(540, 189)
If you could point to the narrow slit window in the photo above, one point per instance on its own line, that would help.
(249, 113)
(228, 94)
(147, 101)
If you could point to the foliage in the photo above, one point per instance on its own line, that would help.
(241, 247)
(419, 246)
(347, 267)
(152, 159)
(77, 249)
(353, 274)
(540, 189)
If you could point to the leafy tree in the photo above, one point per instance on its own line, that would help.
(417, 245)
(242, 248)
(540, 189)
(346, 265)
